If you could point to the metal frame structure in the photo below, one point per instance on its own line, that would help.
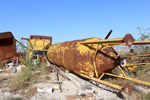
(123, 76)
(134, 64)
(138, 63)
(111, 43)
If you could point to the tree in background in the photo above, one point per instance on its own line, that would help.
(144, 34)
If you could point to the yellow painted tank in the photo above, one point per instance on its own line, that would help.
(77, 57)
(39, 44)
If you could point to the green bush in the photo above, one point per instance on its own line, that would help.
(147, 96)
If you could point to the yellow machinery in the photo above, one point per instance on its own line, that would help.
(93, 58)
(38, 45)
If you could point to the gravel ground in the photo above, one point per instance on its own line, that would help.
(74, 87)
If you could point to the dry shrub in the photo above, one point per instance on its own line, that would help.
(17, 83)
(135, 95)
(31, 91)
(27, 77)
(22, 79)
(144, 78)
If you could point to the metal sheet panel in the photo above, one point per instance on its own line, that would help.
(7, 46)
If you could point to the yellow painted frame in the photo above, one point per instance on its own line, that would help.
(123, 76)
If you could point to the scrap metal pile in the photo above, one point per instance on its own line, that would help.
(91, 58)
(133, 62)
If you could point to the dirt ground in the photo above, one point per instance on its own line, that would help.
(49, 89)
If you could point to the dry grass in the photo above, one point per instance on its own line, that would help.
(136, 95)
(17, 83)
(22, 80)
(1, 79)
(140, 75)
(28, 76)
(31, 92)
(14, 98)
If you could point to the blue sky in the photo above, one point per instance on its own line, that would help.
(67, 20)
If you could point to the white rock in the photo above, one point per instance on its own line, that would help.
(12, 69)
(56, 87)
(10, 64)
(48, 90)
(19, 68)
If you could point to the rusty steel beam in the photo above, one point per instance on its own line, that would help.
(128, 40)
(142, 42)
(40, 37)
(24, 39)
(21, 44)
(108, 34)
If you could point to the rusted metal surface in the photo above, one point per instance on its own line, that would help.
(86, 96)
(127, 89)
(128, 39)
(41, 37)
(7, 46)
(43, 60)
(108, 34)
(77, 57)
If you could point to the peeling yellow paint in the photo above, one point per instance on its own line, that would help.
(84, 49)
(80, 51)
(99, 62)
(38, 44)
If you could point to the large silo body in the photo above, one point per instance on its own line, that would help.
(77, 57)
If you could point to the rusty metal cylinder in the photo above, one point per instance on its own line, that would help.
(78, 58)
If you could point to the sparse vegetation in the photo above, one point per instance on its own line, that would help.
(144, 34)
(147, 96)
(31, 91)
(28, 75)
(140, 75)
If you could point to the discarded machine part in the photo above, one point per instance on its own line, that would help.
(123, 62)
(38, 45)
(7, 46)
(92, 56)
(81, 96)
(127, 89)
(131, 50)
(137, 58)
(133, 61)
(108, 34)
